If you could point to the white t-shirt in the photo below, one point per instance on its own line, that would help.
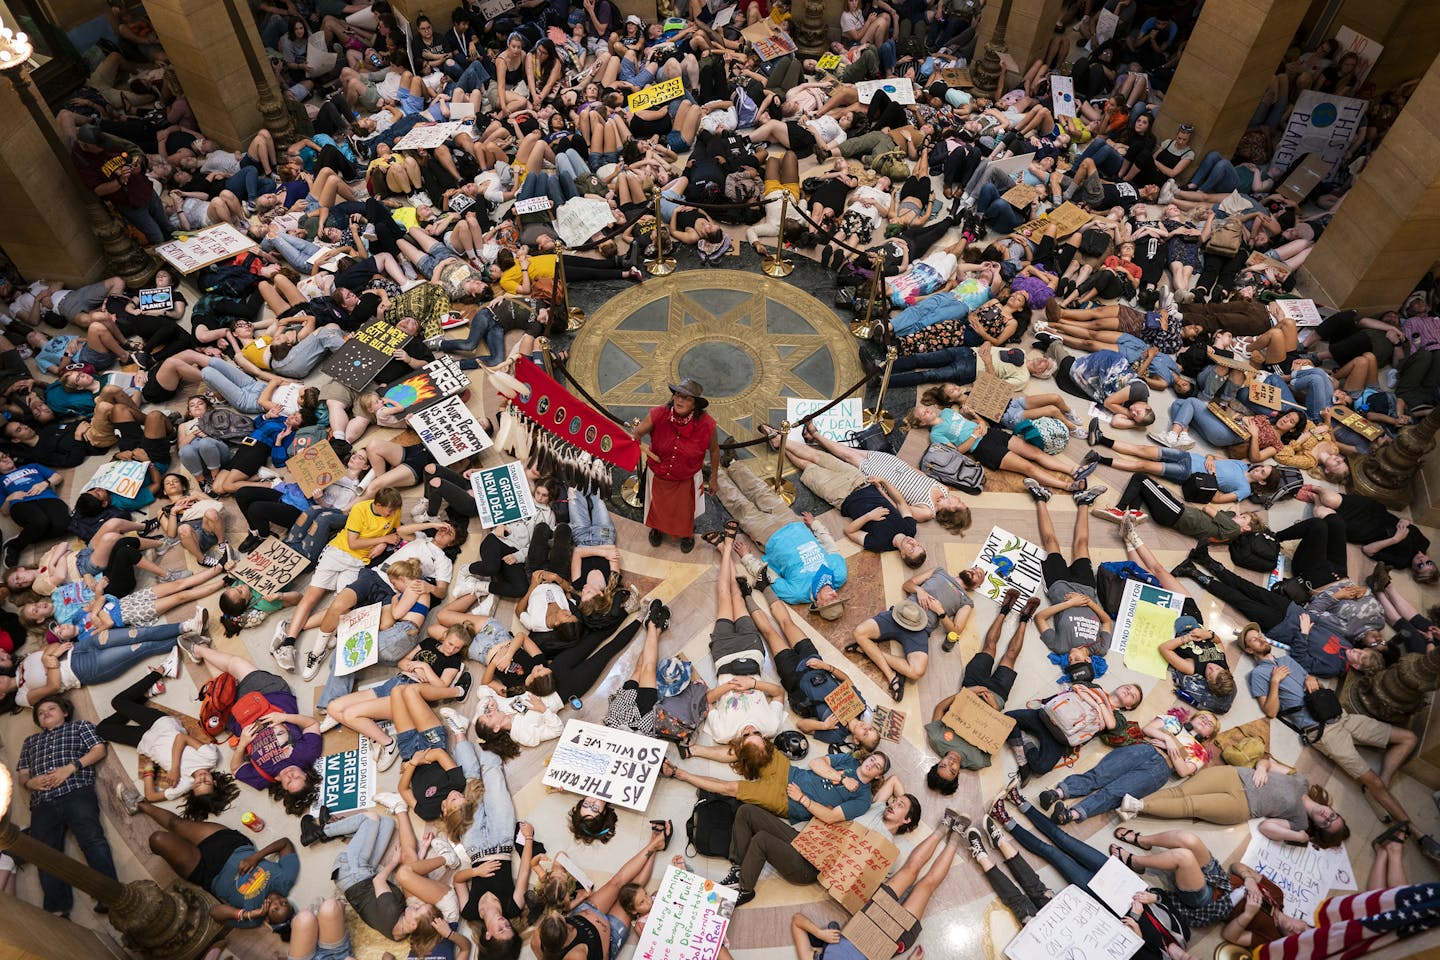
(531, 728)
(533, 616)
(734, 710)
(434, 565)
(158, 743)
(221, 161)
(287, 397)
(827, 128)
(851, 20)
(864, 209)
(31, 675)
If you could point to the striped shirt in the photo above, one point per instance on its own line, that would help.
(913, 485)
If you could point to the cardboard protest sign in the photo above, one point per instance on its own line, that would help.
(853, 860)
(889, 722)
(768, 42)
(270, 567)
(614, 765)
(1009, 561)
(449, 431)
(657, 94)
(1073, 924)
(1068, 218)
(845, 703)
(977, 722)
(199, 250)
(1021, 196)
(502, 494)
(1266, 395)
(989, 396)
(438, 379)
(688, 920)
(1349, 418)
(315, 468)
(837, 423)
(360, 359)
(1145, 620)
(877, 928)
(347, 781)
(1306, 875)
(125, 478)
(357, 640)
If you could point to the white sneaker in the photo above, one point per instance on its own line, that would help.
(129, 798)
(265, 473)
(392, 802)
(1167, 192)
(171, 667)
(1184, 441)
(316, 656)
(1162, 436)
(1390, 378)
(485, 607)
(469, 583)
(388, 754)
(420, 513)
(1130, 807)
(328, 724)
(198, 622)
(454, 720)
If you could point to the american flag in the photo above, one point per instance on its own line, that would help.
(1354, 925)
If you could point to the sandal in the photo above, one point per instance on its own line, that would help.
(896, 686)
(667, 769)
(772, 436)
(663, 827)
(1124, 856)
(731, 529)
(852, 648)
(1399, 831)
(714, 537)
(1131, 837)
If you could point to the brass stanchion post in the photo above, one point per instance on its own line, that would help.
(861, 329)
(574, 316)
(777, 265)
(661, 266)
(879, 414)
(632, 486)
(544, 344)
(782, 487)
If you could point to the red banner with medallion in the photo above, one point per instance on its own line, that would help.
(565, 417)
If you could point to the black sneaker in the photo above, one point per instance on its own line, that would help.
(1200, 554)
(1187, 570)
(993, 831)
(310, 831)
(744, 587)
(1093, 436)
(149, 526)
(659, 615)
(463, 682)
(763, 581)
(733, 877)
(252, 542)
(1048, 798)
(1037, 490)
(976, 845)
(142, 359)
(744, 896)
(1083, 498)
(656, 538)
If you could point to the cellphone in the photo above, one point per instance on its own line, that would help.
(520, 705)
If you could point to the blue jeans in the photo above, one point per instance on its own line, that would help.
(590, 523)
(247, 184)
(473, 77)
(1194, 414)
(151, 219)
(204, 453)
(296, 251)
(950, 365)
(363, 853)
(928, 312)
(124, 648)
(394, 641)
(1107, 159)
(539, 184)
(493, 829)
(483, 326)
(77, 813)
(1138, 770)
(1076, 860)
(998, 213)
(1317, 389)
(306, 355)
(239, 389)
(1162, 365)
(1216, 174)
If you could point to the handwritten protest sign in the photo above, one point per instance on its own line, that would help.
(1062, 93)
(347, 781)
(580, 218)
(1303, 312)
(989, 397)
(532, 205)
(1145, 620)
(899, 89)
(1365, 49)
(853, 860)
(1021, 196)
(1106, 23)
(269, 568)
(1009, 561)
(438, 379)
(614, 765)
(449, 431)
(889, 722)
(977, 722)
(657, 94)
(1320, 123)
(502, 494)
(1266, 395)
(1306, 875)
(1073, 925)
(877, 928)
(429, 136)
(1068, 218)
(1349, 418)
(315, 468)
(837, 423)
(768, 42)
(1116, 885)
(357, 640)
(360, 358)
(490, 9)
(845, 703)
(200, 250)
(319, 59)
(688, 920)
(123, 477)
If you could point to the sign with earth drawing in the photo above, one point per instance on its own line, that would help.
(357, 640)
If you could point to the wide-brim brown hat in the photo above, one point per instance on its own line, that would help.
(690, 387)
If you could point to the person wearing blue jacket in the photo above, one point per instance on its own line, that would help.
(804, 563)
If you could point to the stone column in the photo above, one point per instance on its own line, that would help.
(1028, 29)
(1382, 239)
(222, 68)
(1233, 53)
(48, 231)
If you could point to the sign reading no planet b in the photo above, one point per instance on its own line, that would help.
(502, 494)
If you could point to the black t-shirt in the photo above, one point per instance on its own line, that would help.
(513, 676)
(1118, 194)
(397, 370)
(429, 653)
(431, 784)
(502, 884)
(1367, 521)
(879, 534)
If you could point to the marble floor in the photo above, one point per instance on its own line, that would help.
(964, 920)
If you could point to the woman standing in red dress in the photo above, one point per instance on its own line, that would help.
(681, 433)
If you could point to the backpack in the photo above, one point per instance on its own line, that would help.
(1073, 716)
(1195, 690)
(222, 423)
(678, 717)
(1226, 238)
(217, 700)
(1255, 550)
(1322, 704)
(745, 108)
(951, 467)
(744, 186)
(711, 823)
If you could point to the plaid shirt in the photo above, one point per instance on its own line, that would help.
(51, 749)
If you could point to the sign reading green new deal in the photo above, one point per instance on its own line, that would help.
(502, 494)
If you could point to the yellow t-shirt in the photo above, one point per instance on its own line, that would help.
(542, 267)
(407, 217)
(257, 351)
(363, 521)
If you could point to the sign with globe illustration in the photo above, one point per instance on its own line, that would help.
(1009, 561)
(357, 640)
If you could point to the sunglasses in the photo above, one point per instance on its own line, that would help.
(1187, 128)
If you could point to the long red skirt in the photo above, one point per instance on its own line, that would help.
(670, 505)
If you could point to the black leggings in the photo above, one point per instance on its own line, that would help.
(387, 231)
(120, 571)
(1159, 502)
(961, 164)
(1321, 557)
(550, 550)
(39, 520)
(133, 714)
(579, 667)
(1107, 284)
(507, 580)
(264, 510)
(588, 268)
(1252, 600)
(444, 484)
(920, 239)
